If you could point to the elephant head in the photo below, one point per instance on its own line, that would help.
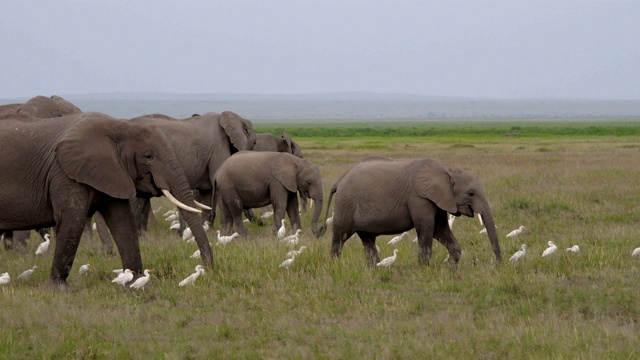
(43, 107)
(457, 192)
(239, 130)
(303, 176)
(270, 142)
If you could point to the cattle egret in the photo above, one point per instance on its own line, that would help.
(516, 232)
(285, 264)
(27, 273)
(171, 217)
(282, 231)
(636, 252)
(141, 281)
(550, 250)
(44, 246)
(170, 212)
(195, 255)
(175, 225)
(206, 226)
(388, 260)
(123, 278)
(186, 234)
(451, 220)
(84, 269)
(519, 254)
(246, 220)
(292, 240)
(5, 279)
(329, 220)
(296, 252)
(223, 240)
(397, 239)
(267, 214)
(192, 278)
(574, 249)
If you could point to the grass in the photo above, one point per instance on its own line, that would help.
(578, 190)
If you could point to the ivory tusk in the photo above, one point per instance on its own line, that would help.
(202, 206)
(178, 203)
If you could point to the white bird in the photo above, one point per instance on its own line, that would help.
(27, 273)
(123, 278)
(484, 230)
(282, 231)
(94, 227)
(550, 250)
(206, 226)
(519, 254)
(170, 212)
(296, 252)
(292, 240)
(187, 234)
(397, 239)
(329, 220)
(44, 246)
(84, 269)
(195, 255)
(267, 214)
(388, 260)
(246, 220)
(141, 281)
(451, 220)
(5, 279)
(171, 217)
(223, 240)
(285, 264)
(415, 240)
(516, 232)
(192, 278)
(175, 225)
(636, 252)
(574, 249)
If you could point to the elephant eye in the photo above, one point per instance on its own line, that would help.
(471, 193)
(148, 156)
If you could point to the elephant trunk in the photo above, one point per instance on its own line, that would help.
(490, 225)
(314, 220)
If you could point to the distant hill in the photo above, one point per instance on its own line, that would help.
(349, 105)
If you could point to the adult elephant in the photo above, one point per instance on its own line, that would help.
(251, 179)
(41, 107)
(57, 172)
(380, 195)
(201, 144)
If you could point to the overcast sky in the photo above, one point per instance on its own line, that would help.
(497, 49)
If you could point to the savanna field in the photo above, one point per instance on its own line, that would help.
(571, 182)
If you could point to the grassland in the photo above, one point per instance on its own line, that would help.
(568, 186)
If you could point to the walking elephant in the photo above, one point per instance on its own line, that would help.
(252, 179)
(57, 172)
(41, 107)
(270, 142)
(380, 195)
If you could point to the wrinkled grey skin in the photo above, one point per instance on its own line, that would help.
(39, 107)
(283, 143)
(252, 179)
(59, 171)
(380, 195)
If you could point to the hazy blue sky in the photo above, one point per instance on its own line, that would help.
(501, 49)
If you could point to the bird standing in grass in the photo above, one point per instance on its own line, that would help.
(397, 239)
(282, 231)
(292, 240)
(287, 263)
(195, 255)
(550, 250)
(223, 240)
(574, 249)
(516, 232)
(296, 252)
(636, 252)
(27, 273)
(123, 278)
(5, 278)
(84, 269)
(192, 278)
(141, 281)
(388, 260)
(44, 246)
(451, 220)
(519, 254)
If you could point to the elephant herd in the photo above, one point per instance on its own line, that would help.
(59, 166)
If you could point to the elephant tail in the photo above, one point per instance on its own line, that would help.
(323, 228)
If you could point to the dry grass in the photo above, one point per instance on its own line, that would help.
(583, 306)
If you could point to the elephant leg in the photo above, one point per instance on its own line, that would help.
(103, 233)
(248, 213)
(369, 242)
(88, 229)
(292, 211)
(7, 239)
(338, 239)
(143, 218)
(425, 240)
(118, 217)
(68, 229)
(444, 235)
(20, 238)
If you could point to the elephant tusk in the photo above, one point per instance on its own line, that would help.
(178, 203)
(202, 206)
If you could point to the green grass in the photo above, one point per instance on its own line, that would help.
(580, 190)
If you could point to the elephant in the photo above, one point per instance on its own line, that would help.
(57, 172)
(270, 142)
(381, 195)
(252, 179)
(41, 107)
(201, 144)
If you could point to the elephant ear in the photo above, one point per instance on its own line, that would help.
(432, 181)
(88, 153)
(234, 128)
(284, 170)
(287, 139)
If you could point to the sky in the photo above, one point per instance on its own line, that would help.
(489, 49)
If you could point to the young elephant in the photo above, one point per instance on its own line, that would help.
(380, 195)
(254, 179)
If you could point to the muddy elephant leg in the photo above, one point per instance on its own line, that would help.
(103, 233)
(444, 235)
(118, 217)
(369, 242)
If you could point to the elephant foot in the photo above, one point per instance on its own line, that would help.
(423, 259)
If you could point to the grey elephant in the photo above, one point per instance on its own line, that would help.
(283, 143)
(38, 107)
(57, 172)
(251, 179)
(380, 195)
